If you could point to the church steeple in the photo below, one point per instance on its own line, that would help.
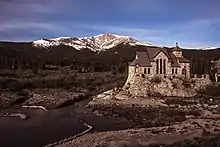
(176, 48)
(177, 51)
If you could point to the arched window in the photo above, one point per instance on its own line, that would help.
(161, 66)
(148, 70)
(157, 66)
(176, 71)
(184, 71)
(164, 66)
(145, 70)
(172, 70)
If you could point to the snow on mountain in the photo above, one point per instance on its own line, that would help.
(142, 43)
(94, 43)
(209, 48)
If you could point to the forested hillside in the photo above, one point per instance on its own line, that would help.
(26, 56)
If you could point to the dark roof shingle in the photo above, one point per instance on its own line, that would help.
(142, 60)
(145, 58)
(183, 60)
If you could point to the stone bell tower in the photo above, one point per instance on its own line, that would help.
(177, 51)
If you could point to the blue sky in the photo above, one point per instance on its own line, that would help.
(192, 23)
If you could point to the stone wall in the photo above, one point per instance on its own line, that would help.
(177, 53)
(134, 71)
(137, 70)
(169, 68)
(187, 67)
(131, 75)
(178, 84)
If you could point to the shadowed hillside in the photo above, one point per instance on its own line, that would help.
(24, 55)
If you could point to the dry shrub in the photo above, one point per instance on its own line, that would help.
(187, 83)
(156, 80)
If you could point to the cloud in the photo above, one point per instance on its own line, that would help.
(123, 30)
(194, 23)
(193, 33)
(154, 36)
(28, 31)
(27, 25)
(26, 10)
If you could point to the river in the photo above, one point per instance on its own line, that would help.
(40, 129)
(45, 127)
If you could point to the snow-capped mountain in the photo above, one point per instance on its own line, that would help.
(94, 43)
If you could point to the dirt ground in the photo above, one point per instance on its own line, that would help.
(190, 130)
(166, 135)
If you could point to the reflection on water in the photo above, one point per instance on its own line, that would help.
(40, 129)
(45, 127)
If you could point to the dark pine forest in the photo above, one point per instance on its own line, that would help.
(25, 56)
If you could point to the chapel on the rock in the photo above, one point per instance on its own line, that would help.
(159, 61)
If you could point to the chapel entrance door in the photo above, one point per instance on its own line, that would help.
(184, 72)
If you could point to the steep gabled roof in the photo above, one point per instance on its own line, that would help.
(153, 52)
(174, 62)
(161, 50)
(183, 60)
(145, 58)
(142, 59)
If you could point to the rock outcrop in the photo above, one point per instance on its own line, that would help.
(52, 98)
(158, 86)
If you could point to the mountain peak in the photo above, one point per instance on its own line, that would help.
(94, 43)
(110, 35)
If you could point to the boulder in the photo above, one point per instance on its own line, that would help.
(53, 98)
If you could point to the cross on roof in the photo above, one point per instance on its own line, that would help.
(177, 44)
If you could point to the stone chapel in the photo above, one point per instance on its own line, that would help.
(159, 61)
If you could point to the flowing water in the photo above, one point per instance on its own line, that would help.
(40, 129)
(45, 127)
